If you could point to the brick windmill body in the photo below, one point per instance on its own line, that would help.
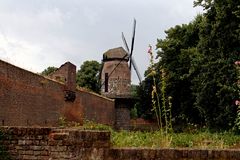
(116, 81)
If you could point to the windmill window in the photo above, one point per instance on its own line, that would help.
(106, 82)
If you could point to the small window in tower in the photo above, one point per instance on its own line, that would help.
(106, 82)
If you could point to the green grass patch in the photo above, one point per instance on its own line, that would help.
(200, 140)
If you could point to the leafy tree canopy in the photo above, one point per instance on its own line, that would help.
(88, 75)
(48, 71)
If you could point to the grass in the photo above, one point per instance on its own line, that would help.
(200, 140)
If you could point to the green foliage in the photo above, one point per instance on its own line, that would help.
(237, 101)
(214, 77)
(88, 75)
(175, 57)
(62, 122)
(133, 113)
(143, 99)
(139, 139)
(89, 125)
(48, 71)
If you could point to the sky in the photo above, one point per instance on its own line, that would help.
(35, 34)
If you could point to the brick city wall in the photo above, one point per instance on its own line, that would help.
(53, 143)
(28, 99)
(97, 108)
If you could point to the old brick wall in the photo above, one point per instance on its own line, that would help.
(56, 144)
(97, 108)
(30, 99)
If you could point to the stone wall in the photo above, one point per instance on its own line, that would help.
(61, 144)
(122, 120)
(55, 144)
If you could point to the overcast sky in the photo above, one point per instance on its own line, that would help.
(35, 34)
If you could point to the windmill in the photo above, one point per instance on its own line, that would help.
(115, 61)
(116, 79)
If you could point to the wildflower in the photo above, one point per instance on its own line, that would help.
(237, 102)
(154, 89)
(237, 63)
(150, 50)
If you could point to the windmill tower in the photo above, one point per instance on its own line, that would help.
(116, 80)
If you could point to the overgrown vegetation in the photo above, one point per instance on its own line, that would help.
(200, 139)
(192, 137)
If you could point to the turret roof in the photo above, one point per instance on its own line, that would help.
(115, 53)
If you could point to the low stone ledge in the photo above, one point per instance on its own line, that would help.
(172, 154)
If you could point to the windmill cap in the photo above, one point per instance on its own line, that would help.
(115, 54)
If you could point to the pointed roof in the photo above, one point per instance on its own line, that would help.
(115, 54)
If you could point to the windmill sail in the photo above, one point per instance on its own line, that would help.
(125, 43)
(132, 45)
(136, 69)
(132, 61)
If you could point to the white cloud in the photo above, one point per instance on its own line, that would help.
(20, 53)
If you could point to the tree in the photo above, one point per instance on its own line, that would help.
(48, 71)
(214, 84)
(88, 75)
(176, 52)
